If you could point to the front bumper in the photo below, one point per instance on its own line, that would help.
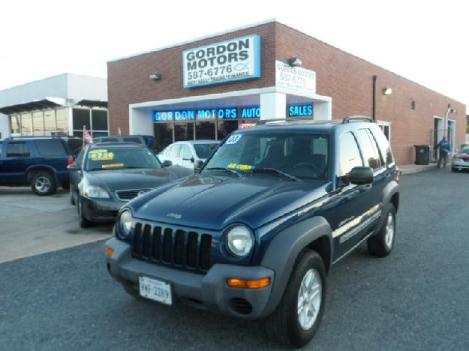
(208, 291)
(459, 163)
(100, 210)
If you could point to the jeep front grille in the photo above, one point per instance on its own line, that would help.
(172, 246)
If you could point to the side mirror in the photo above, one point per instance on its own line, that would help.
(73, 167)
(361, 175)
(167, 163)
(198, 165)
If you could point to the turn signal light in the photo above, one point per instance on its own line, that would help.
(248, 284)
(109, 251)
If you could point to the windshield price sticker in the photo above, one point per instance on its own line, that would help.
(113, 165)
(233, 139)
(101, 155)
(240, 167)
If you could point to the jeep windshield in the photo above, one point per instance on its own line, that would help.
(287, 155)
(107, 158)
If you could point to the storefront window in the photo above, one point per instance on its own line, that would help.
(15, 123)
(26, 124)
(163, 135)
(49, 122)
(81, 117)
(99, 120)
(226, 127)
(184, 131)
(205, 130)
(38, 123)
(62, 121)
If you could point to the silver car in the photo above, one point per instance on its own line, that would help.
(460, 160)
(187, 153)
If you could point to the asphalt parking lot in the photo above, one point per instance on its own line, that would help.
(31, 224)
(416, 299)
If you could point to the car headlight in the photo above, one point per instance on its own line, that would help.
(95, 192)
(240, 240)
(125, 223)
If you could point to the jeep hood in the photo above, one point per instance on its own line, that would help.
(213, 202)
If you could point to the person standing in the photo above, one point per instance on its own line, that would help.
(443, 148)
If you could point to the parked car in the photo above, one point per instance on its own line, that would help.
(254, 234)
(187, 153)
(40, 162)
(460, 160)
(105, 176)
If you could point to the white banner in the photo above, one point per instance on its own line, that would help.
(294, 77)
(231, 60)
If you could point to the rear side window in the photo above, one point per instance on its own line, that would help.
(18, 149)
(369, 149)
(349, 154)
(1, 149)
(186, 152)
(52, 147)
(175, 150)
(384, 147)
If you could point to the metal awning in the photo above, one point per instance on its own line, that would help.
(92, 103)
(29, 106)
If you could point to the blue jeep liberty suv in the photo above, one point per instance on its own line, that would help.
(255, 231)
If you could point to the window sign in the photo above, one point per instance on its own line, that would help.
(250, 112)
(227, 61)
(303, 110)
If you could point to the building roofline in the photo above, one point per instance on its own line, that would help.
(185, 42)
(305, 32)
(66, 74)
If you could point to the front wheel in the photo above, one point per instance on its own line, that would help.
(296, 319)
(381, 244)
(82, 220)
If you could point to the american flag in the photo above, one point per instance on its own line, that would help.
(87, 136)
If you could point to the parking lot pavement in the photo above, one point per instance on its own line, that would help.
(31, 224)
(415, 299)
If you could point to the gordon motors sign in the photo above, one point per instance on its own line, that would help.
(227, 61)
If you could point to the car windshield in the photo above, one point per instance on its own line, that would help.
(120, 158)
(465, 149)
(204, 150)
(288, 155)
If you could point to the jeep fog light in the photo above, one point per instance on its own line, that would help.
(239, 240)
(125, 223)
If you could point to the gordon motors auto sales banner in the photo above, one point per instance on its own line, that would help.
(231, 60)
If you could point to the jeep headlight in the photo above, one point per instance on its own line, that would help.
(94, 192)
(125, 223)
(239, 240)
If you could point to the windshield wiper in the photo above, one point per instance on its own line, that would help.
(276, 171)
(223, 169)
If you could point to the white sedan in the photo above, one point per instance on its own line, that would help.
(186, 153)
(460, 159)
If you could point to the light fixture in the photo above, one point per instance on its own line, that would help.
(387, 91)
(154, 76)
(295, 62)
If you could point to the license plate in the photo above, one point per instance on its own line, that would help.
(156, 290)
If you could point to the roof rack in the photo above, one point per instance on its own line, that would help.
(357, 119)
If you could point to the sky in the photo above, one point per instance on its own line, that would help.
(425, 41)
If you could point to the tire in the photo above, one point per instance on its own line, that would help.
(381, 244)
(72, 199)
(43, 183)
(84, 223)
(284, 325)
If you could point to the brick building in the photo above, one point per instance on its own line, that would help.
(206, 88)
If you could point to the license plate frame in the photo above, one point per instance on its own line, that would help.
(155, 290)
